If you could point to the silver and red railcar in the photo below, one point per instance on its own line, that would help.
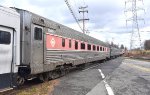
(47, 45)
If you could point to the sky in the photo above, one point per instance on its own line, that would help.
(107, 17)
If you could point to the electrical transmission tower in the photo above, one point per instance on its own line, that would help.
(135, 41)
(83, 11)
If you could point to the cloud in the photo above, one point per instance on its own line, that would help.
(107, 18)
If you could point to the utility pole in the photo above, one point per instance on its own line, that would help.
(83, 11)
(135, 41)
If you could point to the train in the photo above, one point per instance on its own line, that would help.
(34, 46)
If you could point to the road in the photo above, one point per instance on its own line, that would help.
(119, 76)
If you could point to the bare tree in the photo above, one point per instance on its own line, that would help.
(147, 45)
(122, 46)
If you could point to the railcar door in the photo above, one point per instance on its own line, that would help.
(6, 57)
(37, 49)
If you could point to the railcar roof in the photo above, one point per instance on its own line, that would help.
(68, 32)
(71, 33)
(64, 30)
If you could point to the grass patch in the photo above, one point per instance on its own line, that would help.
(45, 88)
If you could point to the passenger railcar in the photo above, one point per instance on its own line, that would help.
(39, 47)
(115, 52)
(47, 45)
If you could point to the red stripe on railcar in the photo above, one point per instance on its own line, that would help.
(55, 42)
(52, 42)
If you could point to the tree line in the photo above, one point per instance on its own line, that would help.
(147, 45)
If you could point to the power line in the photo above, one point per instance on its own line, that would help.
(76, 5)
(69, 6)
(84, 2)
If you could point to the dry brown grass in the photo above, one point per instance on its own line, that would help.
(45, 88)
(142, 53)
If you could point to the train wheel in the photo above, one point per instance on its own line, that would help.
(104, 61)
(62, 71)
(67, 70)
(81, 66)
(41, 78)
(20, 81)
(55, 75)
(46, 76)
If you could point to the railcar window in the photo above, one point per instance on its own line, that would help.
(82, 45)
(5, 37)
(94, 48)
(63, 42)
(89, 47)
(37, 33)
(76, 45)
(107, 49)
(97, 48)
(101, 49)
(69, 43)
